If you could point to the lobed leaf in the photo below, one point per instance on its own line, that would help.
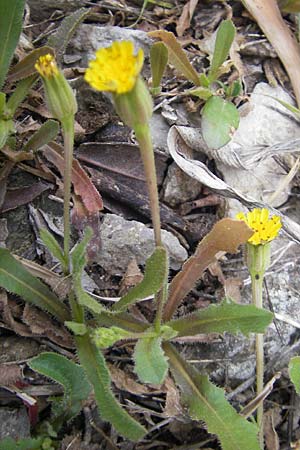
(294, 372)
(220, 119)
(98, 374)
(15, 278)
(177, 56)
(70, 375)
(151, 364)
(156, 275)
(228, 316)
(224, 39)
(207, 402)
(11, 18)
(226, 235)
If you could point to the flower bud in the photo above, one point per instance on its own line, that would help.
(60, 98)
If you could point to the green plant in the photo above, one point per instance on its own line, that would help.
(220, 117)
(154, 352)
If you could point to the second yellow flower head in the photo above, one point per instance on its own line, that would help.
(115, 68)
(265, 228)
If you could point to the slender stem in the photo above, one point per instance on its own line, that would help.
(257, 284)
(68, 133)
(144, 139)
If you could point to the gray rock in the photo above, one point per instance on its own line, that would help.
(123, 240)
(89, 38)
(179, 187)
(14, 423)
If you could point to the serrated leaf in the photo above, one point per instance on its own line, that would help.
(151, 364)
(228, 316)
(98, 374)
(224, 39)
(158, 61)
(46, 133)
(294, 372)
(156, 273)
(78, 328)
(15, 278)
(207, 402)
(25, 68)
(177, 56)
(220, 119)
(65, 372)
(11, 16)
(65, 31)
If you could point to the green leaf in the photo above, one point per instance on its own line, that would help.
(293, 109)
(46, 133)
(151, 364)
(98, 374)
(15, 278)
(177, 56)
(19, 94)
(207, 402)
(202, 92)
(228, 316)
(11, 16)
(220, 119)
(21, 444)
(53, 246)
(77, 328)
(156, 274)
(294, 372)
(70, 375)
(2, 102)
(65, 31)
(158, 61)
(224, 39)
(6, 130)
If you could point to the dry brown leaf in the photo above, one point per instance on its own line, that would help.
(232, 288)
(227, 235)
(8, 317)
(172, 407)
(125, 382)
(271, 436)
(131, 278)
(9, 374)
(42, 325)
(268, 16)
(184, 20)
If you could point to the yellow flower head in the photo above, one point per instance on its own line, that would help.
(46, 66)
(265, 228)
(116, 68)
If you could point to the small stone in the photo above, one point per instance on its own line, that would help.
(179, 187)
(123, 240)
(14, 423)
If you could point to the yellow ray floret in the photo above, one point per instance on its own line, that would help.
(46, 66)
(116, 68)
(266, 228)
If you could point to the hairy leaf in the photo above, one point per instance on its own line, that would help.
(226, 235)
(156, 273)
(177, 56)
(220, 119)
(65, 31)
(151, 364)
(158, 60)
(15, 278)
(228, 316)
(53, 246)
(98, 374)
(207, 402)
(19, 94)
(46, 133)
(25, 68)
(224, 39)
(70, 375)
(11, 15)
(294, 372)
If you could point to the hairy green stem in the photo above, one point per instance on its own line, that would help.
(143, 136)
(68, 133)
(257, 284)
